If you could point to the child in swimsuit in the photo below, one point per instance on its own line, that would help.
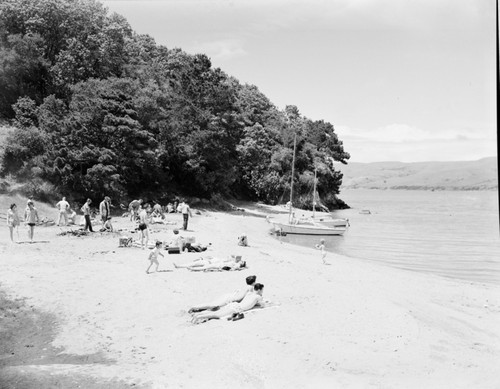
(153, 257)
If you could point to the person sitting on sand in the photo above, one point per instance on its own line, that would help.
(234, 297)
(71, 216)
(157, 210)
(177, 241)
(153, 257)
(107, 227)
(250, 300)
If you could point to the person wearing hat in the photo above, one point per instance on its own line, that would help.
(104, 209)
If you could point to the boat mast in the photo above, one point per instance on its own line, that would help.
(291, 180)
(314, 192)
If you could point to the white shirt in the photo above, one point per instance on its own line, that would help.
(63, 205)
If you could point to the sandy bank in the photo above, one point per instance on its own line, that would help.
(348, 325)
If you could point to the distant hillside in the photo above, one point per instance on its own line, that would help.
(463, 175)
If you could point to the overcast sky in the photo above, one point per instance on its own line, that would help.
(401, 80)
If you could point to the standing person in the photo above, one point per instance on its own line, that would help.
(321, 246)
(133, 208)
(104, 209)
(186, 212)
(63, 206)
(31, 218)
(86, 214)
(153, 257)
(12, 220)
(143, 226)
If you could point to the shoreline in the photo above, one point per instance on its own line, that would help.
(351, 324)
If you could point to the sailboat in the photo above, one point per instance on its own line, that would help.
(310, 225)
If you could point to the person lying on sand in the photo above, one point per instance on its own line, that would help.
(214, 264)
(203, 261)
(218, 267)
(251, 300)
(234, 297)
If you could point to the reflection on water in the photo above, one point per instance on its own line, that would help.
(450, 233)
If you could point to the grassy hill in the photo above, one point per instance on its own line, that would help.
(462, 175)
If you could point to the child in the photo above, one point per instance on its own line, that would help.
(107, 226)
(321, 246)
(12, 220)
(153, 257)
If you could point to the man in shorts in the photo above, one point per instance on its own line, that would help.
(144, 226)
(63, 207)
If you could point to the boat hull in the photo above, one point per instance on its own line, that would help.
(298, 229)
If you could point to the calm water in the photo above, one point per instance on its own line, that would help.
(449, 233)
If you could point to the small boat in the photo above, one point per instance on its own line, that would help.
(324, 225)
(365, 212)
(310, 226)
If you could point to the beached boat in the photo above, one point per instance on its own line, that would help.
(323, 225)
(309, 226)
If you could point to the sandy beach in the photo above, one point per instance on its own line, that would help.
(351, 324)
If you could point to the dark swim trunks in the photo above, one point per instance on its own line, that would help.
(142, 226)
(31, 224)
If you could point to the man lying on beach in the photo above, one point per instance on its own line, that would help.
(251, 300)
(234, 297)
(214, 264)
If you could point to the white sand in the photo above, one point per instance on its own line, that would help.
(348, 325)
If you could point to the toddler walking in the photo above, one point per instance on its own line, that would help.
(321, 246)
(153, 257)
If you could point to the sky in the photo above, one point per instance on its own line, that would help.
(400, 80)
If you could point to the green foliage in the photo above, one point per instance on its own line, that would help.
(103, 110)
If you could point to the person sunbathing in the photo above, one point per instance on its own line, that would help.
(202, 264)
(231, 310)
(229, 266)
(225, 299)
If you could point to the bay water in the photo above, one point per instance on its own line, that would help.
(453, 234)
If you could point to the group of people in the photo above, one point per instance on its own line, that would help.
(104, 212)
(157, 212)
(31, 218)
(232, 305)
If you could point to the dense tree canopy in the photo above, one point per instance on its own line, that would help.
(100, 110)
